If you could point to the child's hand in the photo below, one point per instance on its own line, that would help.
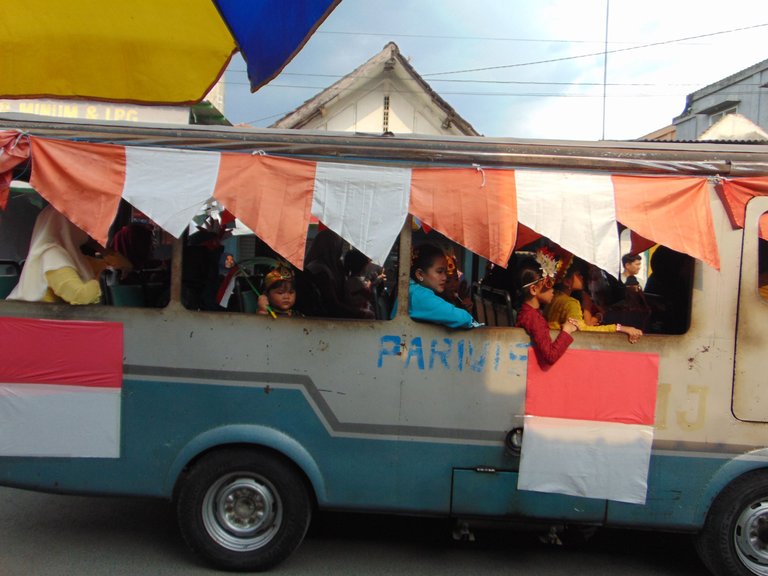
(572, 325)
(633, 334)
(263, 302)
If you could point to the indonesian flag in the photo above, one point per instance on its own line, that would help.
(227, 287)
(589, 425)
(60, 388)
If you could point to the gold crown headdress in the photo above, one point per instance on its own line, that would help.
(282, 272)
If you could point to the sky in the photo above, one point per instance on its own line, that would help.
(698, 42)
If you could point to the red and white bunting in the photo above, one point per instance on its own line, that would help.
(366, 205)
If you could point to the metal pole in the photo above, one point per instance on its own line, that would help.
(605, 63)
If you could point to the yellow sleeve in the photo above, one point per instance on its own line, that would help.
(68, 286)
(583, 327)
(563, 307)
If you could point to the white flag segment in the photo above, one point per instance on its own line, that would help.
(170, 186)
(53, 420)
(605, 460)
(575, 210)
(365, 205)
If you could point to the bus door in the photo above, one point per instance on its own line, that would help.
(750, 388)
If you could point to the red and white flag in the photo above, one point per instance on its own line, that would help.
(589, 425)
(227, 287)
(60, 388)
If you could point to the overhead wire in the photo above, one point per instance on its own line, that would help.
(601, 53)
(516, 65)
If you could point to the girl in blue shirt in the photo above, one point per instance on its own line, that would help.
(429, 272)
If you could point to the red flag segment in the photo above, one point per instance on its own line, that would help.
(596, 385)
(76, 353)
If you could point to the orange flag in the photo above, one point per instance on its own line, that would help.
(475, 207)
(272, 196)
(670, 210)
(82, 181)
(737, 192)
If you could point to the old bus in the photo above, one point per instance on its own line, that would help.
(250, 423)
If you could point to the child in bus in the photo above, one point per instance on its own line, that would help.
(428, 277)
(563, 307)
(456, 287)
(536, 292)
(279, 295)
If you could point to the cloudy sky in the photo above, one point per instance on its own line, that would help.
(543, 60)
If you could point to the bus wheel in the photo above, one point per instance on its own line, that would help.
(734, 540)
(243, 509)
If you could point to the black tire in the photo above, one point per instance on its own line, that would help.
(734, 540)
(242, 509)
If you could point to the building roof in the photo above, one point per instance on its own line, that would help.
(735, 127)
(389, 59)
(719, 85)
(667, 133)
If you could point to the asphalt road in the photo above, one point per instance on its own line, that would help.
(51, 535)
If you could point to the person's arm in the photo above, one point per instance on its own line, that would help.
(426, 306)
(263, 304)
(573, 309)
(547, 350)
(68, 286)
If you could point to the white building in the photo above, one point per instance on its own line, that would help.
(383, 95)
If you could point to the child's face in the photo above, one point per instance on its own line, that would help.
(578, 281)
(282, 297)
(435, 276)
(543, 291)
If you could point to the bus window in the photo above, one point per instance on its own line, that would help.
(663, 307)
(762, 255)
(231, 273)
(340, 281)
(131, 271)
(147, 248)
(16, 224)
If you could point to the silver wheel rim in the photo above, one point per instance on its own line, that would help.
(242, 511)
(751, 538)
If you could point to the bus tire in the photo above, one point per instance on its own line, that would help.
(734, 540)
(242, 509)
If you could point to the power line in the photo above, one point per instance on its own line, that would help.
(451, 37)
(279, 115)
(616, 51)
(519, 82)
(467, 93)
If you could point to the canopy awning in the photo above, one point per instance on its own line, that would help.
(145, 51)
